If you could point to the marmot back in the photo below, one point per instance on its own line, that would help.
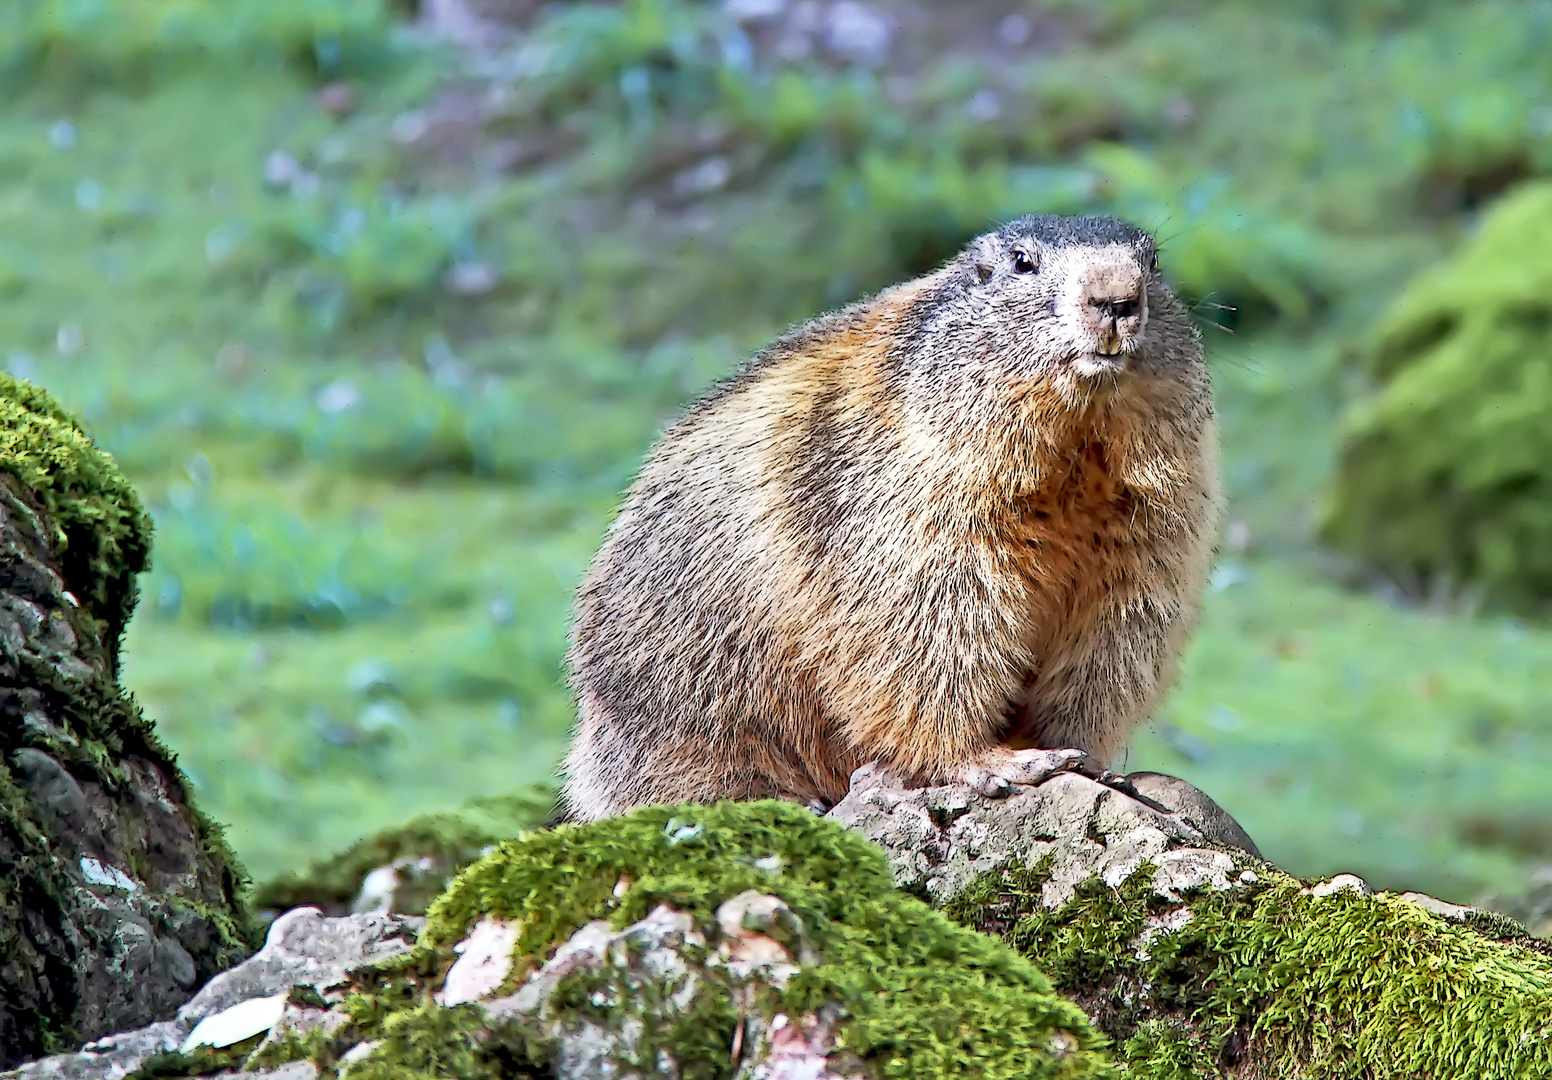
(949, 529)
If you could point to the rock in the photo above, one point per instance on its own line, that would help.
(766, 943)
(1355, 884)
(1199, 959)
(117, 899)
(303, 949)
(940, 840)
(1190, 803)
(665, 943)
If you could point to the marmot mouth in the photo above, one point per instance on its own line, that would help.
(1098, 363)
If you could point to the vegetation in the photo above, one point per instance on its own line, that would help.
(1446, 480)
(85, 784)
(921, 997)
(380, 330)
(1268, 979)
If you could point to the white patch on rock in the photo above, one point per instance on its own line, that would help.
(1439, 907)
(378, 889)
(99, 873)
(236, 1024)
(1186, 869)
(1341, 883)
(1170, 922)
(484, 960)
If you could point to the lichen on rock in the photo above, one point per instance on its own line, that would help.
(117, 898)
(1263, 975)
(754, 941)
(1445, 478)
(100, 533)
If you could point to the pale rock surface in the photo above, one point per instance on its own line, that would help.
(939, 839)
(303, 949)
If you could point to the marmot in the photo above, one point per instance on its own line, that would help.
(953, 529)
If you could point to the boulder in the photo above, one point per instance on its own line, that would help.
(117, 898)
(1150, 908)
(941, 840)
(306, 956)
(761, 942)
(752, 941)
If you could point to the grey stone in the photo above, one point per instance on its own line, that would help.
(1179, 797)
(128, 903)
(303, 949)
(1354, 884)
(106, 1059)
(939, 839)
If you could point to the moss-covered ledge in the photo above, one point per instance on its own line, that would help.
(750, 940)
(1276, 977)
(117, 898)
(99, 531)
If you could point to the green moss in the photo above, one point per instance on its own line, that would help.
(450, 840)
(70, 510)
(103, 536)
(922, 998)
(1446, 472)
(1276, 982)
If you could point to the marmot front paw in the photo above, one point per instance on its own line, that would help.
(994, 774)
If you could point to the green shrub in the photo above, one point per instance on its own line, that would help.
(1445, 481)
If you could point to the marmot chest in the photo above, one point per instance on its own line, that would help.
(1076, 535)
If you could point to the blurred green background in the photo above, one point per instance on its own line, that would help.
(380, 308)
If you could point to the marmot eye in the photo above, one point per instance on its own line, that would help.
(1153, 263)
(1024, 262)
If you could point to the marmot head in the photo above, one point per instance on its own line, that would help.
(1077, 304)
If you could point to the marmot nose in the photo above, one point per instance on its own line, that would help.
(1114, 311)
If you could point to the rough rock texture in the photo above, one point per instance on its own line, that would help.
(1445, 477)
(940, 840)
(754, 941)
(760, 942)
(117, 899)
(403, 869)
(1199, 959)
(304, 949)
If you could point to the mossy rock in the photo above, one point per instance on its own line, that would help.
(909, 993)
(422, 856)
(1270, 978)
(117, 898)
(1445, 479)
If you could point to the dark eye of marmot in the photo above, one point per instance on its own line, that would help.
(1153, 263)
(1024, 263)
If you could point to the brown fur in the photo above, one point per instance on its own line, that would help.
(924, 530)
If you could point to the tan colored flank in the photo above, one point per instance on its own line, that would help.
(934, 597)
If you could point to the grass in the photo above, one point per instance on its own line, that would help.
(380, 377)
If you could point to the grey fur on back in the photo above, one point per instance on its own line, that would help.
(971, 513)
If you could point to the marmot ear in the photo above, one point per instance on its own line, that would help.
(982, 259)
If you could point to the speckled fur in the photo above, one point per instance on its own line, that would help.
(923, 530)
